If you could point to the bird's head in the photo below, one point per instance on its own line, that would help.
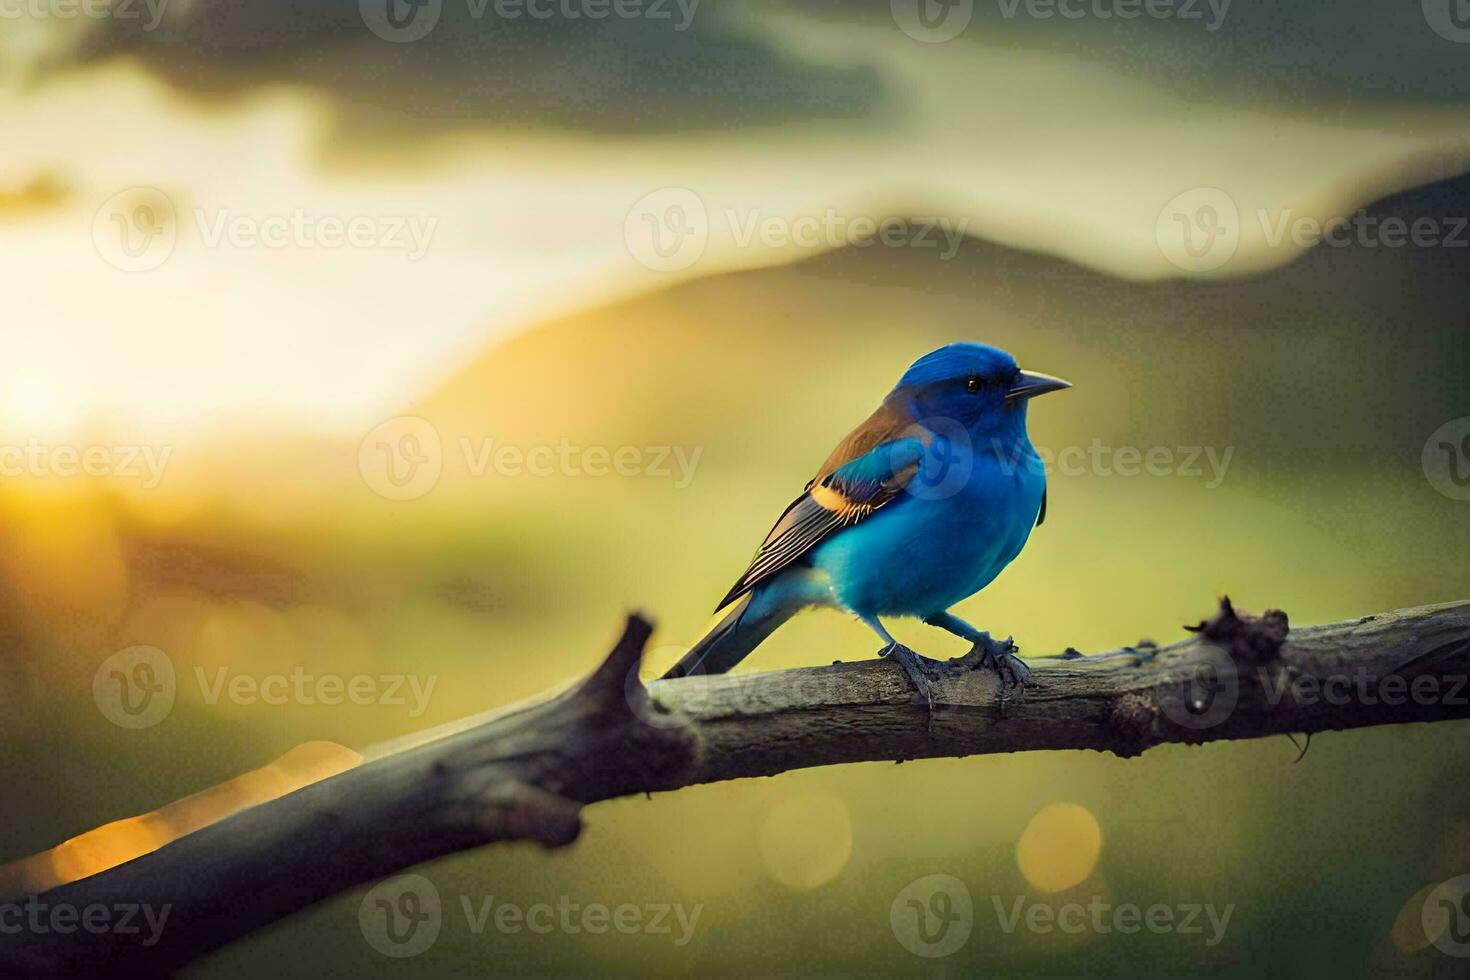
(980, 387)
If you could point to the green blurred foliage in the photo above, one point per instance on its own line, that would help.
(276, 554)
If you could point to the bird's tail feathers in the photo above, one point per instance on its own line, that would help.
(737, 629)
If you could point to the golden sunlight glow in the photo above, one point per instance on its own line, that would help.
(806, 840)
(123, 840)
(517, 231)
(36, 406)
(1059, 847)
(62, 557)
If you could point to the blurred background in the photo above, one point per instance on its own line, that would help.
(406, 345)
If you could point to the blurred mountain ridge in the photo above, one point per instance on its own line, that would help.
(1326, 345)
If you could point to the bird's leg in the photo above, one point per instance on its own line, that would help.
(985, 652)
(916, 667)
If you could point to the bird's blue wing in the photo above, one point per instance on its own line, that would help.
(834, 500)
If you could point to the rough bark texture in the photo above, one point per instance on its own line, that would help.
(526, 773)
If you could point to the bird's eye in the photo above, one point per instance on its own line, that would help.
(973, 385)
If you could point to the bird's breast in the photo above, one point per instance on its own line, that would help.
(942, 540)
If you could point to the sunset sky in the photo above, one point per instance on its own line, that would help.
(243, 242)
(481, 221)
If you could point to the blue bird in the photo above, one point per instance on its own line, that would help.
(921, 506)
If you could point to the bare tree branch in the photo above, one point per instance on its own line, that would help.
(525, 773)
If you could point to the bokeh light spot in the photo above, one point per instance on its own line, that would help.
(806, 840)
(1059, 847)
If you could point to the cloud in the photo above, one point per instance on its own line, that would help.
(678, 65)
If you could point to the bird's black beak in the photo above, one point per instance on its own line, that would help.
(1029, 384)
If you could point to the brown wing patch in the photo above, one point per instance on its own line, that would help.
(825, 508)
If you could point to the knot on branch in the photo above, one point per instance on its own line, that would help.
(515, 811)
(645, 742)
(1132, 724)
(608, 680)
(1247, 639)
